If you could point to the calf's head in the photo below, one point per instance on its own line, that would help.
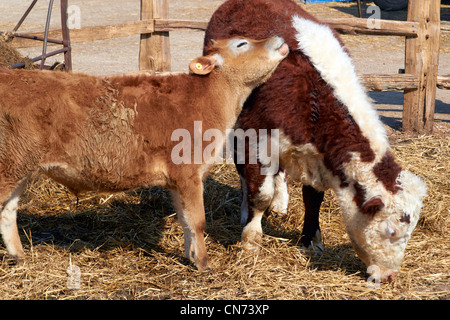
(242, 60)
(381, 227)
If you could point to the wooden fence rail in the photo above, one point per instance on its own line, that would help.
(148, 26)
(421, 31)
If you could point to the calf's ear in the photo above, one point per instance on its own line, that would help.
(203, 65)
(372, 206)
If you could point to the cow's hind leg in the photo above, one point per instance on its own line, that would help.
(8, 221)
(191, 215)
(311, 236)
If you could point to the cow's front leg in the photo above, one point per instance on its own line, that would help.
(280, 200)
(191, 215)
(311, 236)
(258, 192)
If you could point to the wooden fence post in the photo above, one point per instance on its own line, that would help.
(66, 36)
(154, 47)
(422, 60)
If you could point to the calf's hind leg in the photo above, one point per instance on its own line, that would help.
(191, 215)
(8, 221)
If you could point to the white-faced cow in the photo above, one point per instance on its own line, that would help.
(329, 137)
(115, 134)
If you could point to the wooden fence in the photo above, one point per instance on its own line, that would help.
(421, 30)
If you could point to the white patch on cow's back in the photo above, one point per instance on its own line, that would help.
(336, 68)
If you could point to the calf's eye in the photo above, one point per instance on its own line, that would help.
(241, 44)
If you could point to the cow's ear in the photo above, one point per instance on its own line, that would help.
(372, 206)
(205, 65)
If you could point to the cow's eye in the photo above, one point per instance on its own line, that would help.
(405, 217)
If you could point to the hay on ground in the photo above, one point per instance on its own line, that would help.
(130, 246)
(10, 56)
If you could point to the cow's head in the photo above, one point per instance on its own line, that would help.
(380, 227)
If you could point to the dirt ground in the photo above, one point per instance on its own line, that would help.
(371, 54)
(121, 263)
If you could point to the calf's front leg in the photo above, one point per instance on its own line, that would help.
(8, 223)
(191, 215)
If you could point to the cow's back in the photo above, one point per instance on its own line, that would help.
(290, 99)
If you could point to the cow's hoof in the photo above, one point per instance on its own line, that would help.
(315, 244)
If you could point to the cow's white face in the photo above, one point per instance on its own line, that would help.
(380, 240)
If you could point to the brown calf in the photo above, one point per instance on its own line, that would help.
(115, 134)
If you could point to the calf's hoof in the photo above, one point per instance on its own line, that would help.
(15, 261)
(203, 265)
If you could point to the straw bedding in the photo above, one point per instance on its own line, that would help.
(130, 246)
